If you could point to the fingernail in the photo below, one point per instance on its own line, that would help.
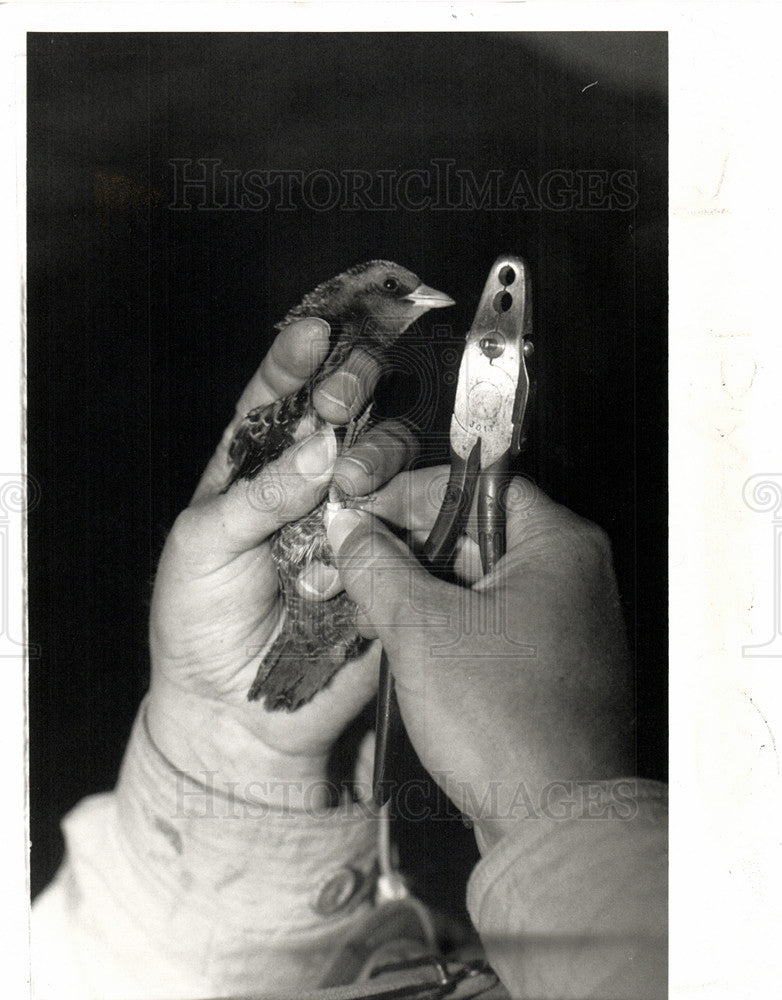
(319, 582)
(343, 389)
(341, 525)
(319, 326)
(316, 454)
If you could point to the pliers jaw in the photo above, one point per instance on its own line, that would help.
(493, 388)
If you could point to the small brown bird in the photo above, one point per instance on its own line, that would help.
(370, 305)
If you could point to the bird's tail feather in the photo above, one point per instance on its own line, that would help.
(291, 673)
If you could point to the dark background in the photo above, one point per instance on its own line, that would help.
(144, 323)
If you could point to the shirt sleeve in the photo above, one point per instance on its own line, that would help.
(170, 888)
(573, 902)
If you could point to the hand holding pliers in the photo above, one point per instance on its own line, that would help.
(489, 427)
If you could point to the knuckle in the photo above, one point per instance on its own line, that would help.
(398, 435)
(186, 528)
(188, 539)
(401, 439)
(599, 539)
(365, 365)
(591, 543)
(357, 552)
(367, 455)
(592, 535)
(354, 475)
(408, 432)
(522, 496)
(301, 346)
(267, 493)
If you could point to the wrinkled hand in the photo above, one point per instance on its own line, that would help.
(518, 677)
(216, 602)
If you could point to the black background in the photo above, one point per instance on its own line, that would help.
(144, 323)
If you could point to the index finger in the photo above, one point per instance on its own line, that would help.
(412, 501)
(297, 352)
(377, 456)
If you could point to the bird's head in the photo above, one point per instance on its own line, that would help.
(377, 300)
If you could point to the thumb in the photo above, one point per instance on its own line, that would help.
(393, 591)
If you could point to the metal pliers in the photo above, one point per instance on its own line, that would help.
(490, 422)
(489, 427)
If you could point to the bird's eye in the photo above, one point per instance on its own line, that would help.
(391, 284)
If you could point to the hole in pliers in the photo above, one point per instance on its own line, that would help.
(502, 302)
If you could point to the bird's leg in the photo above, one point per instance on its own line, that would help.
(360, 503)
(356, 427)
(338, 496)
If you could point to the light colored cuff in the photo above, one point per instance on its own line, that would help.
(239, 888)
(573, 902)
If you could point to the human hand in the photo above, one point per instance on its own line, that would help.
(513, 682)
(216, 604)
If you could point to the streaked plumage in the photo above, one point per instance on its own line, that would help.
(370, 305)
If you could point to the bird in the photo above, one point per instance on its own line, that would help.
(368, 305)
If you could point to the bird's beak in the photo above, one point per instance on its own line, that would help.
(428, 298)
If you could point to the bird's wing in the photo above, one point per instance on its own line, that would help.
(266, 431)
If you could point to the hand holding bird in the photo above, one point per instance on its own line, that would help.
(368, 308)
(217, 601)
